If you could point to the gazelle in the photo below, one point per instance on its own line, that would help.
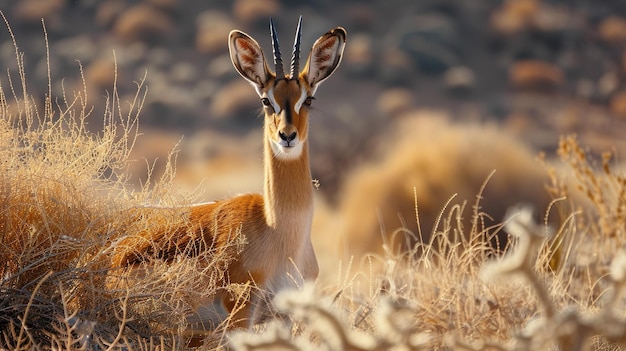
(277, 225)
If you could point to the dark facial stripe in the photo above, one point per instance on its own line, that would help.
(287, 109)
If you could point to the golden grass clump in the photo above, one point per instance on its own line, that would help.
(65, 205)
(431, 163)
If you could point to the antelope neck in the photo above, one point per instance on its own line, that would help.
(288, 190)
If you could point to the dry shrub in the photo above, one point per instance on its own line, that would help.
(595, 190)
(54, 219)
(436, 164)
(64, 207)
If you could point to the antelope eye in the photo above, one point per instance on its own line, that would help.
(266, 102)
(308, 101)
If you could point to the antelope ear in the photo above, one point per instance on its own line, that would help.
(325, 57)
(248, 59)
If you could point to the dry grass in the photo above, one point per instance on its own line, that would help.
(65, 205)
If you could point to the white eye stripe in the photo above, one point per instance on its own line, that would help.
(303, 95)
(270, 96)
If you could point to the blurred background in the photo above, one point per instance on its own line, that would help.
(431, 97)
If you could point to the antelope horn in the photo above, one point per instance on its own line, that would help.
(295, 58)
(278, 61)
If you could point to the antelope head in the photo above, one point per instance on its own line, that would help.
(286, 100)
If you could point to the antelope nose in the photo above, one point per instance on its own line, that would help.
(287, 138)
